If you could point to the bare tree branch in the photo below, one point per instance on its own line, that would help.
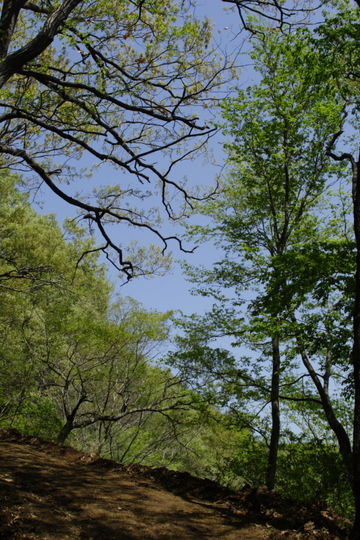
(85, 79)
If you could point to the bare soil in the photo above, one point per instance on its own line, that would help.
(55, 492)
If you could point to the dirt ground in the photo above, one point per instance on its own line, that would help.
(54, 492)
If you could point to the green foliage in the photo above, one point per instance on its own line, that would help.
(283, 290)
(38, 416)
(313, 471)
(72, 355)
(307, 471)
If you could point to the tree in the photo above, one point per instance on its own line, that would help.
(271, 225)
(33, 262)
(72, 357)
(336, 47)
(99, 372)
(334, 65)
(116, 81)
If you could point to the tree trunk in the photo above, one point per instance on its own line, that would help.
(355, 168)
(334, 424)
(65, 431)
(17, 59)
(275, 415)
(70, 419)
(355, 535)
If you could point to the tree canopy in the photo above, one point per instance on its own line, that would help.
(116, 83)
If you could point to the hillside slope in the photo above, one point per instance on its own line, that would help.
(55, 493)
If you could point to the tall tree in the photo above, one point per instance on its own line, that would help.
(336, 44)
(118, 82)
(269, 213)
(334, 66)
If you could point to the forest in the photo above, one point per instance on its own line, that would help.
(103, 102)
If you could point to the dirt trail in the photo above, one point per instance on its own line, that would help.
(52, 492)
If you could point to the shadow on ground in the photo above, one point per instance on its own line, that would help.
(55, 492)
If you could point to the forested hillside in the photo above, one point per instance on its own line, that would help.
(108, 104)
